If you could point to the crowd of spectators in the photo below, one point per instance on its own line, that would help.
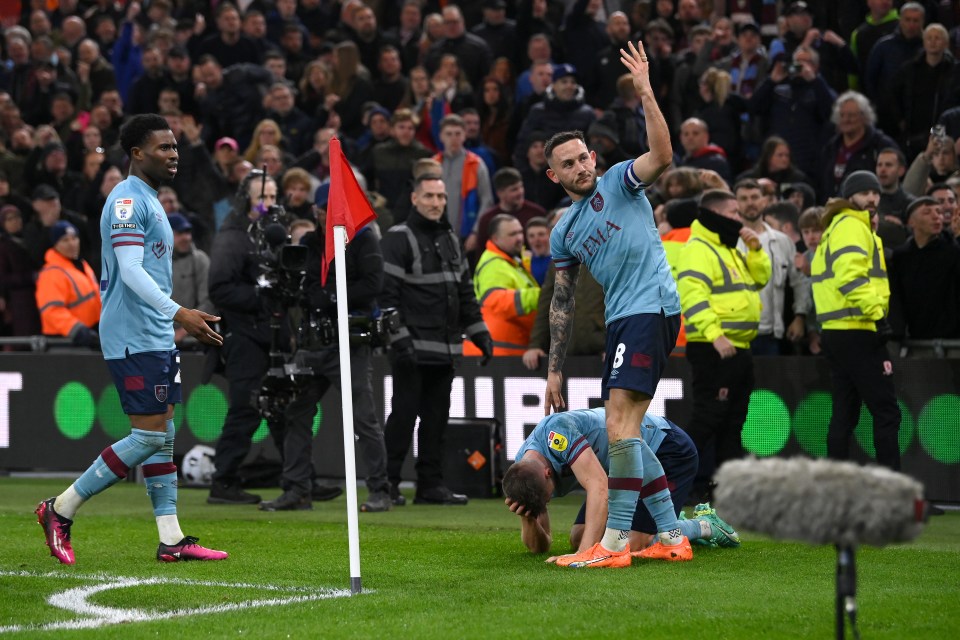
(792, 95)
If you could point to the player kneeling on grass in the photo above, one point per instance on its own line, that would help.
(571, 448)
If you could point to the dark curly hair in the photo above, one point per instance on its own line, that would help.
(525, 483)
(136, 130)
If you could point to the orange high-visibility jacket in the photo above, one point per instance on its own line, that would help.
(66, 296)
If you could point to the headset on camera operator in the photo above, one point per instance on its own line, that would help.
(318, 351)
(236, 266)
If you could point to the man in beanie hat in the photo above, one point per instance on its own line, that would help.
(851, 294)
(68, 294)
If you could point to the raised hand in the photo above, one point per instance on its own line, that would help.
(639, 67)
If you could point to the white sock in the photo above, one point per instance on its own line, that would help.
(615, 539)
(68, 502)
(169, 528)
(670, 538)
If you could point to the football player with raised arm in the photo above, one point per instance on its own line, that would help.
(610, 229)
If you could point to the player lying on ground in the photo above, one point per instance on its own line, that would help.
(570, 448)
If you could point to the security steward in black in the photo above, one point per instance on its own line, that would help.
(364, 271)
(427, 279)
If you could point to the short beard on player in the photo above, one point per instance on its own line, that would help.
(582, 192)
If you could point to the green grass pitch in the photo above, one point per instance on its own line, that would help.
(439, 572)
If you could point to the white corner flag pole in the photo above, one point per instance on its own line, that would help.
(346, 387)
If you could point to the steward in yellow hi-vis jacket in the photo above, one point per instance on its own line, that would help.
(718, 289)
(851, 295)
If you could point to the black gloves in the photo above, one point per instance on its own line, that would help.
(402, 352)
(884, 330)
(86, 337)
(485, 343)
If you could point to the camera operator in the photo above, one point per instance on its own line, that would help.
(318, 350)
(235, 266)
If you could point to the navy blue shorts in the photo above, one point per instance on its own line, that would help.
(637, 351)
(147, 382)
(678, 457)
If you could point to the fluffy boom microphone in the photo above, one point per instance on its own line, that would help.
(820, 501)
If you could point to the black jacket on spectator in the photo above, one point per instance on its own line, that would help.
(200, 183)
(144, 92)
(797, 111)
(537, 187)
(297, 129)
(36, 238)
(925, 289)
(435, 315)
(864, 157)
(234, 269)
(552, 116)
(245, 51)
(500, 38)
(919, 94)
(18, 273)
(886, 58)
(235, 108)
(392, 168)
(604, 73)
(472, 53)
(583, 36)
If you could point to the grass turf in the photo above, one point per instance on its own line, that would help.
(449, 572)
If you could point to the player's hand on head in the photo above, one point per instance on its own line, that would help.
(194, 322)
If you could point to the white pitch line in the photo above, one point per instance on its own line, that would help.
(75, 600)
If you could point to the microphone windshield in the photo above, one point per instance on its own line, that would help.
(275, 234)
(820, 501)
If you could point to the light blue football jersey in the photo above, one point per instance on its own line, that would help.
(133, 217)
(614, 234)
(562, 437)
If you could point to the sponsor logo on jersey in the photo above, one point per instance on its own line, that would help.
(124, 225)
(123, 208)
(558, 442)
(597, 202)
(159, 249)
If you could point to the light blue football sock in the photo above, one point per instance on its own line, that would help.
(624, 483)
(160, 476)
(115, 461)
(656, 492)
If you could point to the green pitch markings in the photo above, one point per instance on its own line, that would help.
(95, 604)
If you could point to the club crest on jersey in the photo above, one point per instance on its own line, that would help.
(597, 202)
(160, 392)
(159, 249)
(123, 208)
(558, 442)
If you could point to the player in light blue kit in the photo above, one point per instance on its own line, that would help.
(136, 333)
(570, 448)
(610, 229)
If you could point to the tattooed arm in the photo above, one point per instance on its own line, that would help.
(561, 323)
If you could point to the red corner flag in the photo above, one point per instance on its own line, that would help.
(347, 207)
